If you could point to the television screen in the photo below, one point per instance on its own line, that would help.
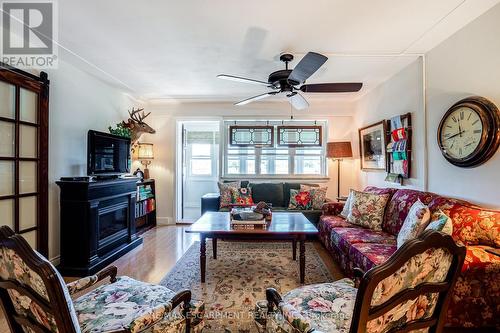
(107, 154)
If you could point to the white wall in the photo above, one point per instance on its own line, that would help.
(164, 117)
(468, 63)
(78, 102)
(400, 94)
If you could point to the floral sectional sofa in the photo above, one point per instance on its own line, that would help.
(475, 301)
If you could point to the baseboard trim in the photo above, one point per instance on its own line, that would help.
(165, 220)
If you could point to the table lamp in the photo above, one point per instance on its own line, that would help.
(145, 155)
(338, 151)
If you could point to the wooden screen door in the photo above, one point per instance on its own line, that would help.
(24, 105)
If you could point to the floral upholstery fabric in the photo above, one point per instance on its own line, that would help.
(318, 194)
(12, 267)
(475, 301)
(471, 225)
(300, 200)
(242, 196)
(125, 304)
(344, 238)
(81, 284)
(325, 307)
(432, 265)
(25, 307)
(399, 206)
(367, 209)
(419, 308)
(369, 255)
(332, 208)
(415, 222)
(226, 197)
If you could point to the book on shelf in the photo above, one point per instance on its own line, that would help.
(145, 207)
(248, 226)
(144, 192)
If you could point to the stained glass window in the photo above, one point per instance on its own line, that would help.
(251, 136)
(300, 136)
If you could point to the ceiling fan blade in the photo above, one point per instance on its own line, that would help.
(242, 79)
(306, 67)
(332, 87)
(298, 101)
(256, 98)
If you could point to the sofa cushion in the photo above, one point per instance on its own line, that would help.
(226, 197)
(399, 206)
(300, 200)
(472, 225)
(286, 191)
(269, 193)
(367, 209)
(368, 255)
(344, 238)
(415, 222)
(380, 190)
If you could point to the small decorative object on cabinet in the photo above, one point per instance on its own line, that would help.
(469, 133)
(399, 147)
(338, 151)
(145, 207)
(145, 155)
(372, 146)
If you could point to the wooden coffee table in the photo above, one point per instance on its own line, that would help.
(293, 227)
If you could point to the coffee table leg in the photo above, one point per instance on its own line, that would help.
(294, 249)
(203, 257)
(214, 247)
(302, 260)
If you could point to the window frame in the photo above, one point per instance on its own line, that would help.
(259, 152)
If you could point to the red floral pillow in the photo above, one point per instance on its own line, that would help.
(300, 200)
(242, 196)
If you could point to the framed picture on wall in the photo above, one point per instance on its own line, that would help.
(372, 146)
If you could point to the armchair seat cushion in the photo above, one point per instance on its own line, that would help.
(325, 307)
(125, 304)
(368, 255)
(344, 238)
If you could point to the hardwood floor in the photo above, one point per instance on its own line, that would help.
(163, 247)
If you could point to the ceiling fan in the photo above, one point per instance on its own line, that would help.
(291, 81)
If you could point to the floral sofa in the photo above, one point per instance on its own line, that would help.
(476, 298)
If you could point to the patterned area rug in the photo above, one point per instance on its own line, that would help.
(239, 277)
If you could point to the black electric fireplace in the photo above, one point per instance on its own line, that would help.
(97, 223)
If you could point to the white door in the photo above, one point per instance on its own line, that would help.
(200, 166)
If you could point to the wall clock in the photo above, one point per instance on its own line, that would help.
(469, 133)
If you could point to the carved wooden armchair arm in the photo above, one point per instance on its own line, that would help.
(88, 281)
(358, 275)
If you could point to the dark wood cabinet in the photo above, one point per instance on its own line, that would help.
(97, 223)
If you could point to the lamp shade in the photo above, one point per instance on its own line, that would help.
(145, 151)
(338, 150)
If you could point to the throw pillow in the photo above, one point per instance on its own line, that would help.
(242, 196)
(226, 198)
(300, 200)
(441, 222)
(415, 222)
(347, 206)
(367, 209)
(318, 195)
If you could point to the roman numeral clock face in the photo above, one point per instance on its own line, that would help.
(469, 133)
(461, 133)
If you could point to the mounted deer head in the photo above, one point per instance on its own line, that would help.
(137, 125)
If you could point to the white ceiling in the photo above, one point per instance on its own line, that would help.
(174, 49)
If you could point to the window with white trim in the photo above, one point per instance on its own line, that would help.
(272, 160)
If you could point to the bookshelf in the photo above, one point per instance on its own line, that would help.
(145, 207)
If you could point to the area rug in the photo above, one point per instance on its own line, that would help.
(239, 277)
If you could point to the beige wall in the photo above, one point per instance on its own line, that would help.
(468, 63)
(78, 102)
(400, 94)
(165, 115)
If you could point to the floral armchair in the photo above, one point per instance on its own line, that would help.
(408, 293)
(35, 298)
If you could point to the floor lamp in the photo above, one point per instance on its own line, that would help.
(338, 151)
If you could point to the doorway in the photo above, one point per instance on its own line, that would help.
(197, 166)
